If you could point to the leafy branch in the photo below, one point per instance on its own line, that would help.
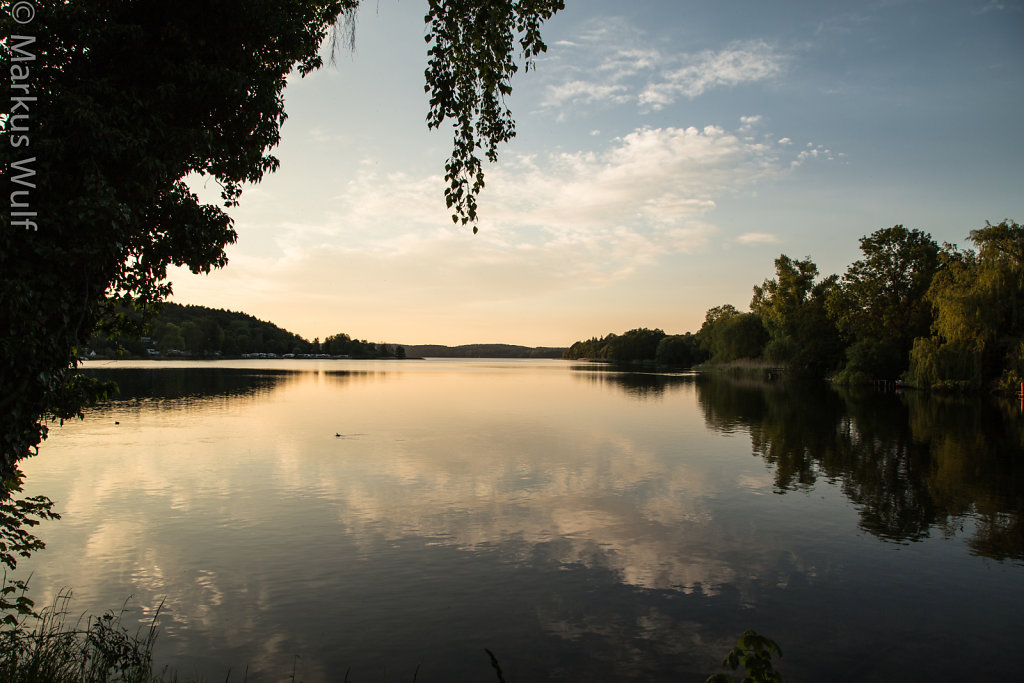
(754, 653)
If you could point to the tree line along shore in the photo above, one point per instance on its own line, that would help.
(179, 331)
(909, 310)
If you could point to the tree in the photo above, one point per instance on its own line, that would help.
(712, 317)
(879, 306)
(195, 338)
(741, 336)
(171, 339)
(754, 653)
(129, 99)
(679, 350)
(792, 309)
(729, 335)
(978, 303)
(214, 335)
(778, 301)
(640, 344)
(592, 348)
(472, 44)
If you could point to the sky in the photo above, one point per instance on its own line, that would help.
(667, 152)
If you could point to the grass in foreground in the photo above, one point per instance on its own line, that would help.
(47, 647)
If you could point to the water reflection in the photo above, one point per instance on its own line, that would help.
(640, 385)
(197, 382)
(581, 533)
(976, 467)
(912, 463)
(190, 382)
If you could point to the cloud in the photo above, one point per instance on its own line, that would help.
(741, 63)
(650, 183)
(996, 6)
(813, 151)
(318, 134)
(553, 224)
(626, 62)
(615, 67)
(756, 238)
(576, 92)
(653, 177)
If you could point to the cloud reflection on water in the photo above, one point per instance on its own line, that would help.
(244, 509)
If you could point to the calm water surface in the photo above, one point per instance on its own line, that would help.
(582, 524)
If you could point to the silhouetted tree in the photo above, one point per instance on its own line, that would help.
(792, 309)
(880, 306)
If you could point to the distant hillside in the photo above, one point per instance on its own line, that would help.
(202, 332)
(482, 351)
(199, 331)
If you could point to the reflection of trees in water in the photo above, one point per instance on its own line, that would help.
(883, 469)
(202, 383)
(910, 462)
(186, 383)
(342, 377)
(977, 467)
(641, 385)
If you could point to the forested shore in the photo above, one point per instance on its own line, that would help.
(936, 317)
(200, 332)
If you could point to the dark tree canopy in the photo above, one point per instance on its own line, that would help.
(882, 294)
(978, 303)
(637, 345)
(128, 99)
(792, 309)
(879, 306)
(937, 318)
(729, 335)
(680, 351)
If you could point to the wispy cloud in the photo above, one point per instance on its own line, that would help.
(813, 151)
(756, 238)
(651, 177)
(738, 64)
(997, 6)
(578, 92)
(617, 67)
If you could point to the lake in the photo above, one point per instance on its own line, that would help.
(326, 517)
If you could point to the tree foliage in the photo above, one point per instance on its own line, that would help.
(202, 331)
(589, 349)
(130, 98)
(472, 50)
(637, 345)
(792, 308)
(978, 303)
(907, 310)
(879, 305)
(729, 335)
(679, 351)
(780, 300)
(17, 517)
(754, 653)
